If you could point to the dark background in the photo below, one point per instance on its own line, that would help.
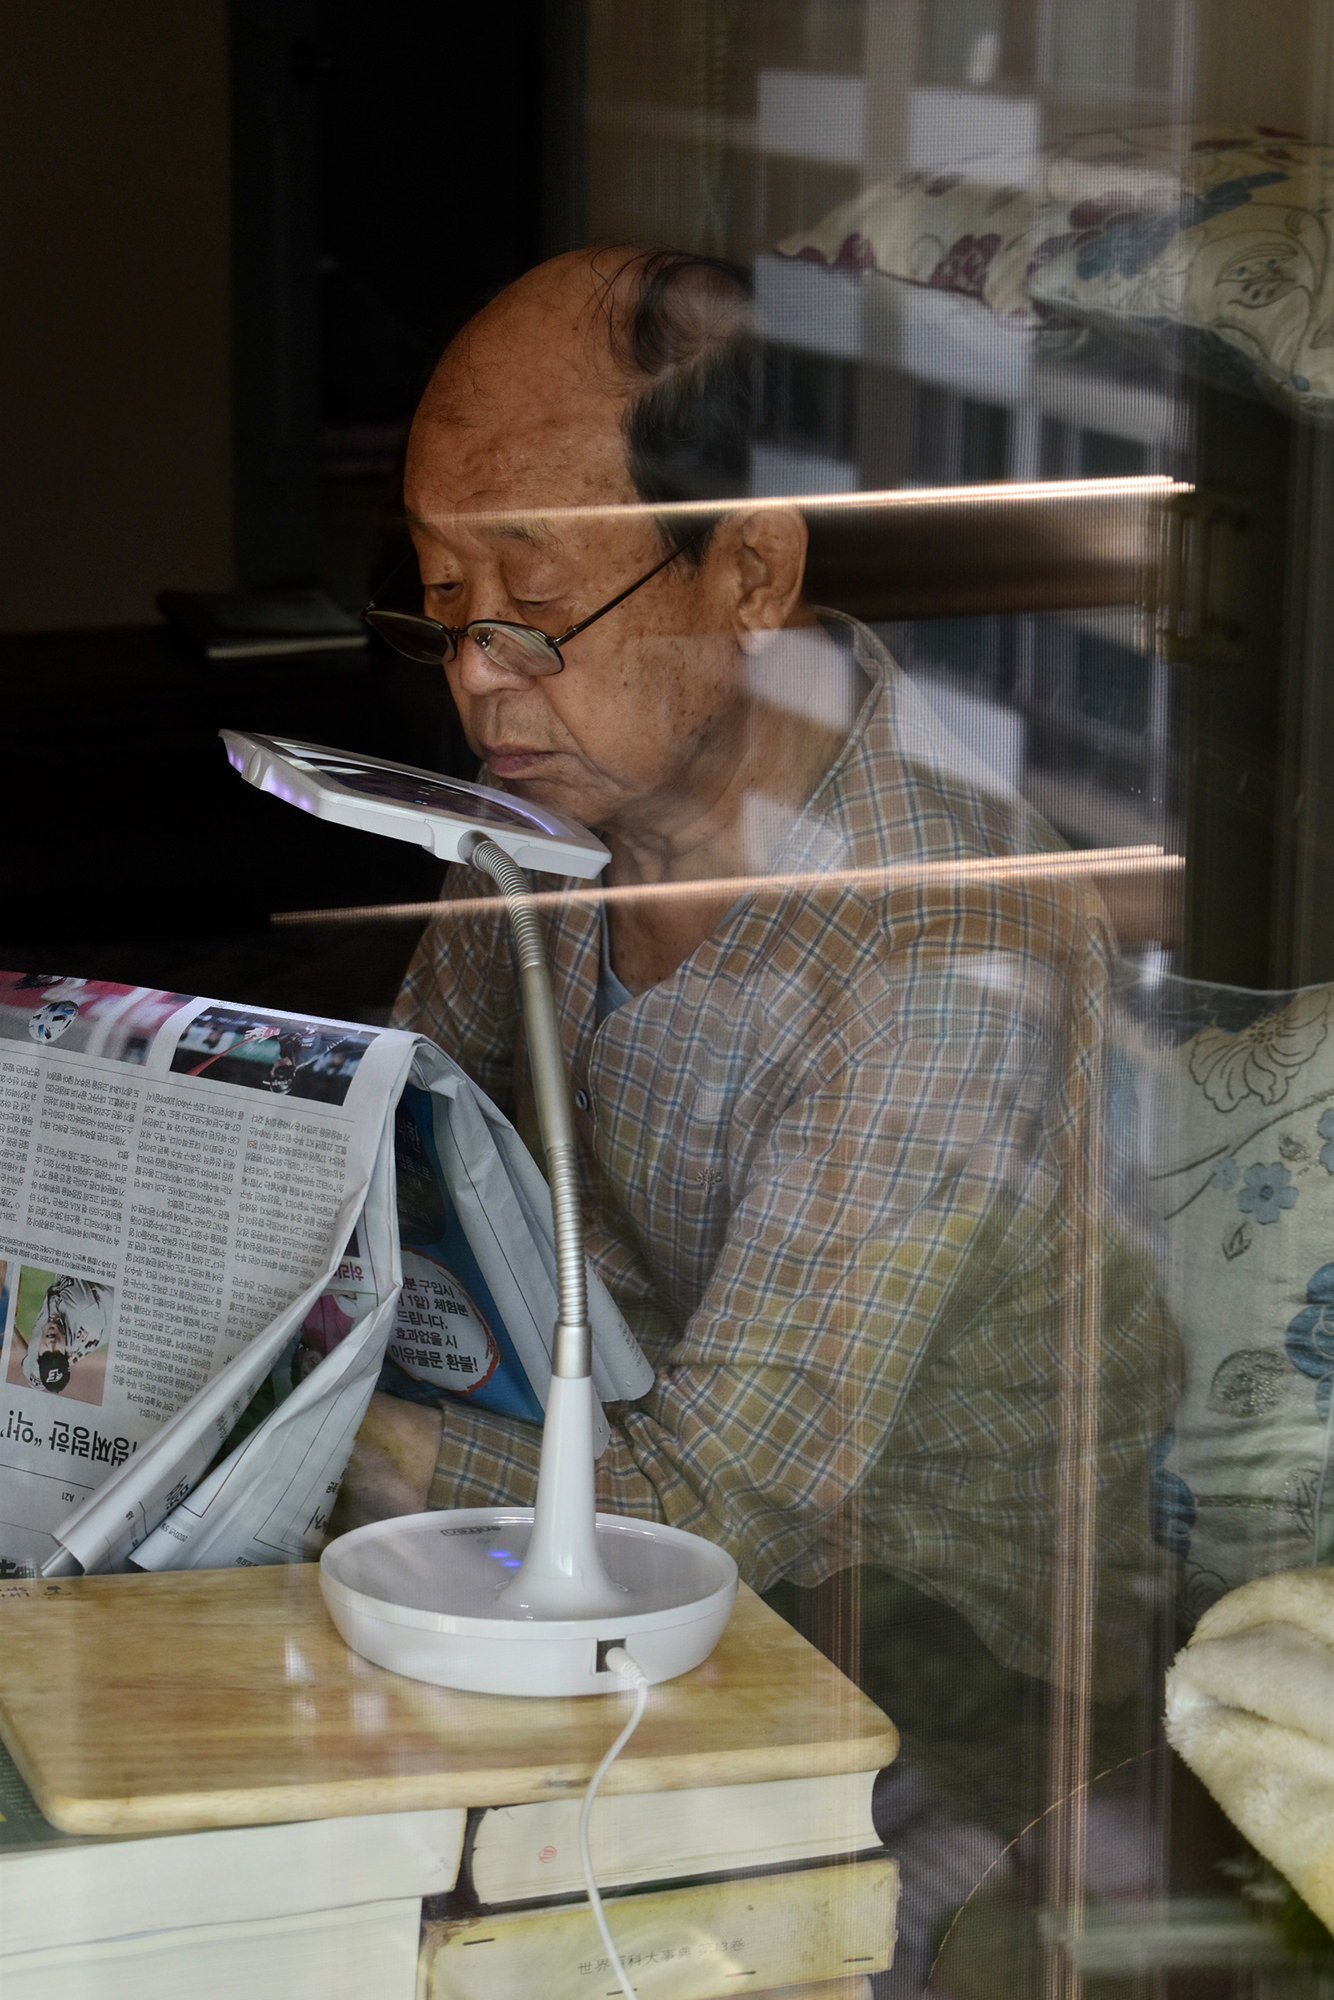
(390, 169)
(376, 173)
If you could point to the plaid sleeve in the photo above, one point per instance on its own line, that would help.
(912, 1176)
(460, 988)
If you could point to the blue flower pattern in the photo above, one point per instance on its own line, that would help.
(1325, 1127)
(1268, 1191)
(1309, 1340)
(1171, 1502)
(1131, 243)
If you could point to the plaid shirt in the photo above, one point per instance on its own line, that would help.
(831, 1178)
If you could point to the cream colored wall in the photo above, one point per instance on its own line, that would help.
(115, 437)
(1265, 62)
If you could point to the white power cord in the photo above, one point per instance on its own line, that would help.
(620, 1663)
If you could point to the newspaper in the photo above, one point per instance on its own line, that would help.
(201, 1269)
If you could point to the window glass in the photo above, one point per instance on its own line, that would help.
(762, 567)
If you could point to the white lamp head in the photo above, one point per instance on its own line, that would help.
(444, 815)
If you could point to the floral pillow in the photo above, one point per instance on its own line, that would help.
(1236, 1091)
(1212, 242)
(940, 230)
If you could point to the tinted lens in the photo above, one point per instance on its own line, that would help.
(420, 639)
(518, 648)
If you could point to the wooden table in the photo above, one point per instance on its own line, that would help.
(200, 1698)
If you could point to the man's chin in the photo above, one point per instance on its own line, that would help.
(542, 786)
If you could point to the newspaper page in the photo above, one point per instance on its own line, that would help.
(179, 1179)
(479, 1258)
(472, 1315)
(203, 1209)
(268, 1499)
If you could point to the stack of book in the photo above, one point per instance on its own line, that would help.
(324, 1909)
(734, 1888)
(723, 1889)
(252, 1812)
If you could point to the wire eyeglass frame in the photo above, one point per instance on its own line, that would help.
(522, 649)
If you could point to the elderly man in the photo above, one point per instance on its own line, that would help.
(839, 1137)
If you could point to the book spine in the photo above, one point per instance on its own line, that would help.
(695, 1943)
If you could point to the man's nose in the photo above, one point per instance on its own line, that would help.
(479, 672)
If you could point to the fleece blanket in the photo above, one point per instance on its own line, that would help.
(1250, 1707)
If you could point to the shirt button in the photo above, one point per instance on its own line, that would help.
(581, 1099)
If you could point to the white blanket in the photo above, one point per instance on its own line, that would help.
(1250, 1707)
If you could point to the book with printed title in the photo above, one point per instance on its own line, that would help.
(689, 1943)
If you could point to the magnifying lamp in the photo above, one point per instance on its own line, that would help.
(508, 1600)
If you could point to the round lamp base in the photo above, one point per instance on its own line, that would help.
(419, 1595)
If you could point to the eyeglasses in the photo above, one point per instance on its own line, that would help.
(520, 649)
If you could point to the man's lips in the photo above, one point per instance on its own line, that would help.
(512, 760)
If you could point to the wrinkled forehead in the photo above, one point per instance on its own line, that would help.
(555, 485)
(518, 467)
(509, 425)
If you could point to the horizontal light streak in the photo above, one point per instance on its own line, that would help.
(1087, 862)
(1146, 486)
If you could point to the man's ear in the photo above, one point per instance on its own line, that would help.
(770, 553)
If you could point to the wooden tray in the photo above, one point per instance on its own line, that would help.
(145, 1704)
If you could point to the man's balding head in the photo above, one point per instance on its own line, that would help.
(658, 343)
(557, 429)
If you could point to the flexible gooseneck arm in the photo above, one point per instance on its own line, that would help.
(562, 1575)
(573, 1350)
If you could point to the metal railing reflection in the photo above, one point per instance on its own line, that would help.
(1146, 865)
(958, 551)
